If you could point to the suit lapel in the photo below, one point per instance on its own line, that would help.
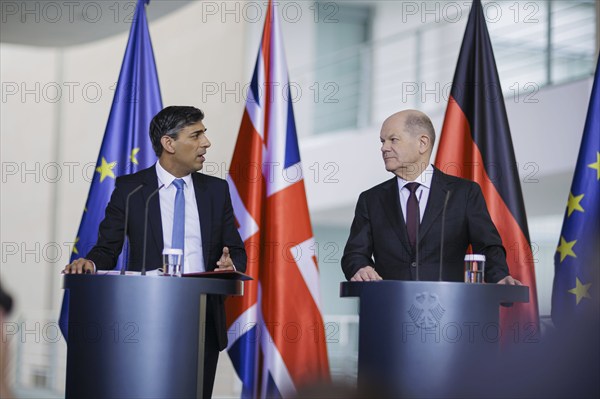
(204, 211)
(391, 206)
(435, 203)
(154, 218)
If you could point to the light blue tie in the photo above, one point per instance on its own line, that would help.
(179, 216)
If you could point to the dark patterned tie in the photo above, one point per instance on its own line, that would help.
(413, 216)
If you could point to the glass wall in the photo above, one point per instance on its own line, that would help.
(365, 77)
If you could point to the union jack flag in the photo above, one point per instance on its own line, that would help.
(276, 333)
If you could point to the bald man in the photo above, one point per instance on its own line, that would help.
(383, 237)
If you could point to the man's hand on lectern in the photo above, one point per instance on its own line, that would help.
(225, 263)
(508, 280)
(80, 266)
(366, 273)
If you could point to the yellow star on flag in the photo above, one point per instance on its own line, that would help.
(573, 204)
(581, 290)
(105, 169)
(566, 248)
(75, 251)
(133, 154)
(596, 165)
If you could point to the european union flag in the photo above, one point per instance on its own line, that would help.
(575, 295)
(126, 147)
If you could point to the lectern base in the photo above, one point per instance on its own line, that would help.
(428, 339)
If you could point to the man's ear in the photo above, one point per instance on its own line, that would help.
(424, 143)
(167, 144)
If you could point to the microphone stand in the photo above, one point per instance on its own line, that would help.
(443, 228)
(138, 188)
(418, 226)
(146, 227)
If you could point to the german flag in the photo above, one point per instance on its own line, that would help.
(476, 144)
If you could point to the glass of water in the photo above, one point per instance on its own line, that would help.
(474, 268)
(172, 259)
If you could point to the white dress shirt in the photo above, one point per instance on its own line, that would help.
(193, 259)
(422, 192)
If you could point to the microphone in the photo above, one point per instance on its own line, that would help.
(417, 236)
(443, 227)
(138, 188)
(146, 226)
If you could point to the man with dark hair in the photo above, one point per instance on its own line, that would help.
(169, 122)
(192, 212)
(383, 239)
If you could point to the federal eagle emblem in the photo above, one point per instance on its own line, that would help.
(426, 311)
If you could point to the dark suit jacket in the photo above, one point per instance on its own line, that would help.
(217, 225)
(378, 236)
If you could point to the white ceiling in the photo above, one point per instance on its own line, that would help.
(67, 23)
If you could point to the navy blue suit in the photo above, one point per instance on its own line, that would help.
(378, 236)
(217, 225)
